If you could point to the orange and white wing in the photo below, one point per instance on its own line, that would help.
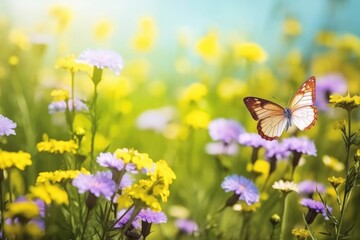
(303, 112)
(270, 115)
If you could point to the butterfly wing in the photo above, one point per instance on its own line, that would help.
(303, 112)
(270, 115)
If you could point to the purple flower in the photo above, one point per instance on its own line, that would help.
(251, 140)
(156, 119)
(126, 181)
(40, 203)
(242, 187)
(60, 106)
(102, 59)
(187, 226)
(6, 126)
(149, 216)
(308, 188)
(277, 150)
(225, 130)
(300, 145)
(109, 160)
(99, 184)
(328, 85)
(124, 219)
(219, 148)
(314, 208)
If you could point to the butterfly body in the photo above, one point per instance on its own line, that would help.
(273, 119)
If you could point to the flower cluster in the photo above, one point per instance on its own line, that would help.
(18, 160)
(57, 146)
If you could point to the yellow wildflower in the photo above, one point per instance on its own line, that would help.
(103, 29)
(349, 42)
(13, 60)
(18, 160)
(260, 167)
(19, 38)
(300, 233)
(292, 27)
(194, 93)
(162, 176)
(26, 209)
(70, 63)
(59, 95)
(249, 51)
(141, 160)
(357, 155)
(49, 193)
(59, 176)
(333, 163)
(325, 38)
(336, 181)
(56, 146)
(208, 47)
(346, 102)
(230, 89)
(144, 39)
(176, 131)
(63, 15)
(242, 206)
(197, 119)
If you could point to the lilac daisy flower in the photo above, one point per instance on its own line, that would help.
(277, 150)
(126, 181)
(60, 106)
(328, 85)
(244, 188)
(109, 160)
(102, 59)
(124, 216)
(251, 140)
(300, 145)
(314, 207)
(187, 226)
(150, 216)
(99, 184)
(225, 130)
(156, 119)
(219, 148)
(6, 126)
(308, 188)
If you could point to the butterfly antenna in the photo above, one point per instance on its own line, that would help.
(291, 93)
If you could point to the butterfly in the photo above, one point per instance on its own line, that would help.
(274, 119)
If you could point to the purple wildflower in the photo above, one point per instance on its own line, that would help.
(225, 130)
(308, 188)
(300, 145)
(314, 207)
(328, 85)
(277, 150)
(99, 184)
(251, 140)
(60, 106)
(126, 181)
(150, 216)
(219, 148)
(156, 119)
(6, 126)
(187, 226)
(109, 160)
(102, 59)
(124, 216)
(244, 188)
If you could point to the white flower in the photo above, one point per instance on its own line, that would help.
(285, 186)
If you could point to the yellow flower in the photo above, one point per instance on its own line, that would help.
(197, 119)
(141, 160)
(26, 209)
(230, 89)
(208, 47)
(346, 102)
(14, 159)
(69, 63)
(300, 233)
(59, 176)
(144, 39)
(325, 38)
(19, 39)
(49, 193)
(162, 176)
(349, 42)
(194, 93)
(56, 146)
(13, 60)
(176, 131)
(336, 181)
(261, 167)
(242, 206)
(249, 51)
(103, 29)
(357, 155)
(59, 95)
(333, 163)
(63, 15)
(292, 27)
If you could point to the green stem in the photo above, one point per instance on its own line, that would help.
(2, 202)
(347, 193)
(9, 185)
(283, 226)
(73, 102)
(85, 223)
(93, 128)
